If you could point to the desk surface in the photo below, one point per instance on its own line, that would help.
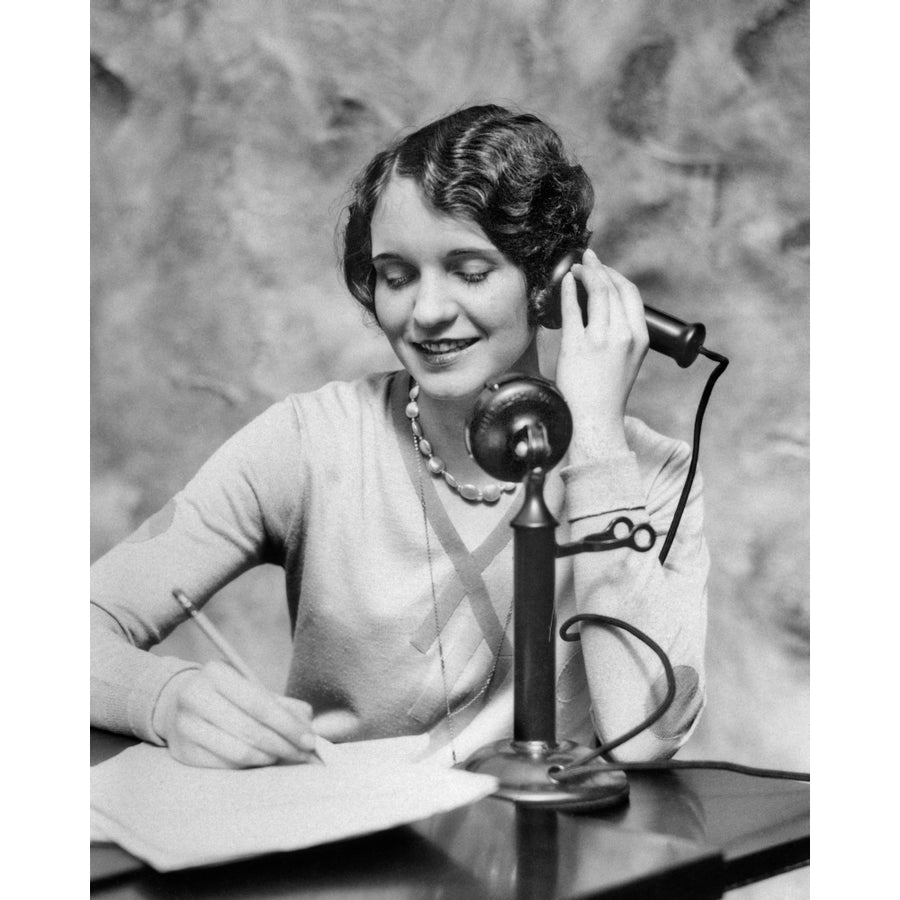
(689, 833)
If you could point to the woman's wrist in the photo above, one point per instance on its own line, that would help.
(596, 440)
(166, 702)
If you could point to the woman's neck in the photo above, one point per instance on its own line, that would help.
(443, 421)
(443, 424)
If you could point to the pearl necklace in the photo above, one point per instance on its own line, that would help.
(488, 494)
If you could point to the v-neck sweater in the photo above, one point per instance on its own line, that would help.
(392, 625)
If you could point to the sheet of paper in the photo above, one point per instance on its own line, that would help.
(175, 816)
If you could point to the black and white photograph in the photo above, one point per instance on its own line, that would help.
(450, 449)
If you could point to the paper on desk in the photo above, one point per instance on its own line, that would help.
(175, 816)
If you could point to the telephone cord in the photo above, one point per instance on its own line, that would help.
(695, 452)
(581, 768)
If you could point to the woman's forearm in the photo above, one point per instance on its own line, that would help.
(126, 681)
(666, 602)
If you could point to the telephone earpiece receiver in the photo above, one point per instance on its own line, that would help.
(668, 335)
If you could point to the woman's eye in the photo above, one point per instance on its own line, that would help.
(473, 277)
(394, 279)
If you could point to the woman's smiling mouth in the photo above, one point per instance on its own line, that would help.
(443, 351)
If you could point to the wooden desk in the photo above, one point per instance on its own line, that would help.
(682, 834)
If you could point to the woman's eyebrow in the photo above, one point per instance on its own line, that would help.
(461, 252)
(473, 251)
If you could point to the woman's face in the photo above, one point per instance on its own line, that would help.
(452, 306)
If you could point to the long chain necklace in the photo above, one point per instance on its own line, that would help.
(488, 494)
(417, 438)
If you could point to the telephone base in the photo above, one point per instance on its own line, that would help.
(522, 769)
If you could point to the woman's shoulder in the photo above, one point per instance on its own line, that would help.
(321, 424)
(300, 417)
(341, 399)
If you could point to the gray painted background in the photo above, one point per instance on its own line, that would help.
(224, 136)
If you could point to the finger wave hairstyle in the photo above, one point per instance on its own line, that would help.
(505, 171)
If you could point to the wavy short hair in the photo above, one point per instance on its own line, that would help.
(505, 171)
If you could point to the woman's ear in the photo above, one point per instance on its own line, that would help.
(549, 302)
(539, 313)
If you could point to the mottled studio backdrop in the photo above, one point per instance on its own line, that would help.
(224, 137)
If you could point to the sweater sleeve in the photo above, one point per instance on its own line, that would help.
(667, 602)
(235, 513)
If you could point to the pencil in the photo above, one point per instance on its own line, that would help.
(230, 655)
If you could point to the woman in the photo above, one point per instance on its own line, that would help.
(396, 546)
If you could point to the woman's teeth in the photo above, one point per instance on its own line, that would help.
(445, 346)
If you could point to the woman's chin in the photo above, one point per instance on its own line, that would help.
(447, 388)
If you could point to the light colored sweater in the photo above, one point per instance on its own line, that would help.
(326, 485)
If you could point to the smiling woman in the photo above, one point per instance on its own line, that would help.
(448, 242)
(451, 304)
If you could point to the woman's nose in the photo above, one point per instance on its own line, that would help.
(434, 302)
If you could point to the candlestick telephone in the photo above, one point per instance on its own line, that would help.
(519, 429)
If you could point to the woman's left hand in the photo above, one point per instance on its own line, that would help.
(599, 362)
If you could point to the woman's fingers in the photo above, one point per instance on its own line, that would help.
(292, 722)
(219, 711)
(615, 309)
(296, 707)
(202, 743)
(632, 304)
(604, 308)
(219, 718)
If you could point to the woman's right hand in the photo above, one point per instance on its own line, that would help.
(215, 717)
